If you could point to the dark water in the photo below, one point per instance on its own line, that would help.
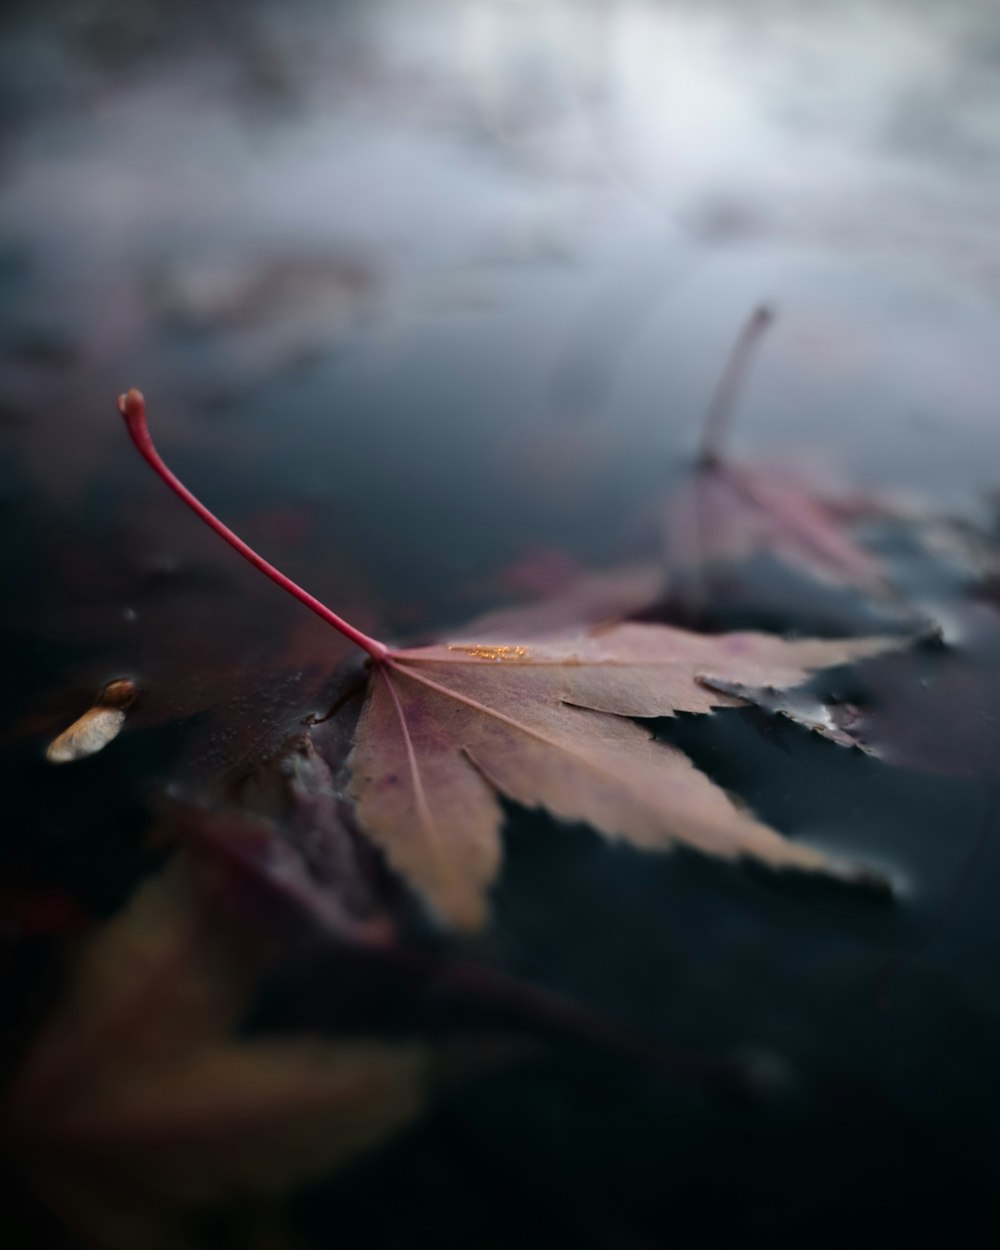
(417, 292)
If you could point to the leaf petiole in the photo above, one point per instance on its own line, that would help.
(723, 398)
(132, 406)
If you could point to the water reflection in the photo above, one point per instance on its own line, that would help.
(514, 177)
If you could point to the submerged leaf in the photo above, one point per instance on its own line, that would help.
(137, 1097)
(446, 729)
(289, 832)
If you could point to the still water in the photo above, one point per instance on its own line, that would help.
(427, 300)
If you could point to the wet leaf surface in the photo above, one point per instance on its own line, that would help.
(445, 728)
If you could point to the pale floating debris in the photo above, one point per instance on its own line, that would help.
(97, 727)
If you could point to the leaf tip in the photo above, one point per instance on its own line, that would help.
(870, 881)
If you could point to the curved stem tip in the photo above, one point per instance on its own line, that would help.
(720, 408)
(132, 406)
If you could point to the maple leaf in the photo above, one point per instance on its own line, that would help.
(448, 728)
(283, 823)
(930, 705)
(445, 729)
(728, 511)
(932, 708)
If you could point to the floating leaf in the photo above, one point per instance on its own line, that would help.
(447, 728)
(728, 512)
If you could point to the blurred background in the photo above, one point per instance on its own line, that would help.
(430, 231)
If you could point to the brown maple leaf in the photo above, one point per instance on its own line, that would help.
(446, 729)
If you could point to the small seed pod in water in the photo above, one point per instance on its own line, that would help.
(96, 727)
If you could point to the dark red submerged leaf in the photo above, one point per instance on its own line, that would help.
(288, 838)
(203, 639)
(143, 1101)
(286, 843)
